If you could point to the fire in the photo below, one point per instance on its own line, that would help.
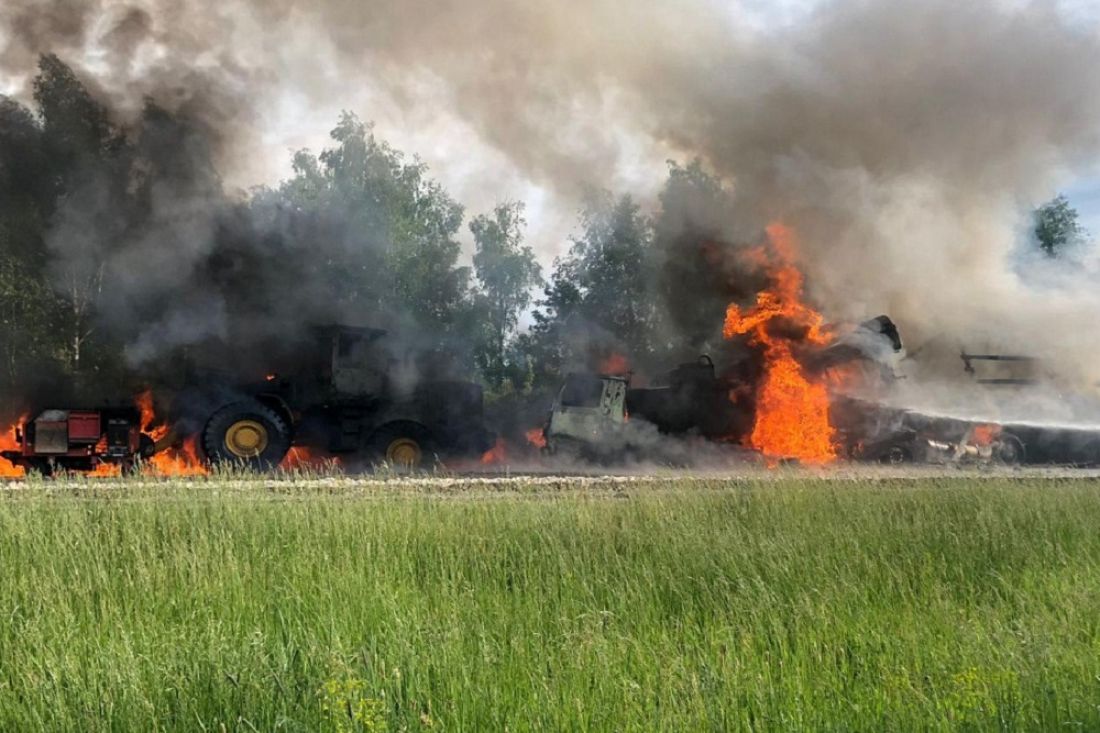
(615, 364)
(106, 470)
(496, 454)
(8, 442)
(144, 403)
(984, 435)
(182, 460)
(792, 413)
(536, 437)
(299, 457)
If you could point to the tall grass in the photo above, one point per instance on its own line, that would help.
(702, 605)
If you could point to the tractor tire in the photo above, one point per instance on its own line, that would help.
(246, 434)
(401, 444)
(1009, 450)
(896, 455)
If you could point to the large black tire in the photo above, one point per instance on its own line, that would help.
(246, 434)
(402, 444)
(896, 455)
(1009, 450)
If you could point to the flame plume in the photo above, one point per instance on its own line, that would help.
(792, 412)
(8, 442)
(181, 460)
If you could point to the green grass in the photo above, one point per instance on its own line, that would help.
(705, 605)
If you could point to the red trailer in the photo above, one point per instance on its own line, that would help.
(80, 440)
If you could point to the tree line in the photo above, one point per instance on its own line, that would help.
(361, 218)
(364, 225)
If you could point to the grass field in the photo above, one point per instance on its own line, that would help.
(800, 604)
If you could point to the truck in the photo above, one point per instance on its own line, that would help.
(344, 397)
(600, 416)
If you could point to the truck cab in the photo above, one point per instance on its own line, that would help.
(590, 410)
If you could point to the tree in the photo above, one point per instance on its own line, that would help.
(695, 275)
(1057, 227)
(89, 159)
(372, 235)
(506, 271)
(613, 265)
(546, 344)
(599, 298)
(46, 159)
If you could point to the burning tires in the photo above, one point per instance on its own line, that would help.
(247, 434)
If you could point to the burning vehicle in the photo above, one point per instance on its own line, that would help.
(879, 433)
(342, 400)
(104, 438)
(823, 394)
(600, 416)
(588, 418)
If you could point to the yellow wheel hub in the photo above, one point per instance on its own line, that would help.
(246, 438)
(403, 452)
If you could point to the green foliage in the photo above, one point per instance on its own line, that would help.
(612, 268)
(367, 228)
(691, 245)
(397, 228)
(1057, 227)
(29, 316)
(780, 604)
(67, 174)
(506, 272)
(76, 192)
(349, 709)
(653, 290)
(598, 299)
(77, 129)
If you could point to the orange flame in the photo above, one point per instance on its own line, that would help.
(536, 437)
(615, 364)
(182, 460)
(984, 435)
(103, 469)
(792, 413)
(300, 457)
(496, 454)
(144, 402)
(8, 442)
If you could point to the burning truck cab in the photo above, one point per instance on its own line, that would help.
(589, 415)
(600, 416)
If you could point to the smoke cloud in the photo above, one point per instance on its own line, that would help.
(905, 142)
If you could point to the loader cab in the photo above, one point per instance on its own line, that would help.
(357, 361)
(587, 408)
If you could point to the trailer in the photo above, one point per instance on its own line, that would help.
(84, 439)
